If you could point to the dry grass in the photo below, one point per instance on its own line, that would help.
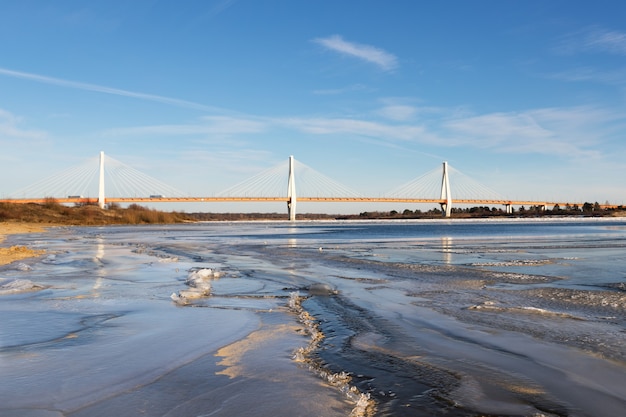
(52, 213)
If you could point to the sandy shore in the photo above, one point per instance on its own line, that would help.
(15, 253)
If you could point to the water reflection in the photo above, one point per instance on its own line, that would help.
(446, 249)
(292, 242)
(101, 271)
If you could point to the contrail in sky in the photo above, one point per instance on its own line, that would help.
(107, 90)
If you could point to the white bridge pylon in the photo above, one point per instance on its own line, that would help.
(312, 186)
(441, 184)
(445, 191)
(82, 182)
(291, 191)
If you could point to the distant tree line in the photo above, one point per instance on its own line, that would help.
(587, 209)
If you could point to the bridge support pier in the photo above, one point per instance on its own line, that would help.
(101, 199)
(508, 208)
(446, 207)
(291, 192)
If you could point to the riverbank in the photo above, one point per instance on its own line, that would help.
(16, 253)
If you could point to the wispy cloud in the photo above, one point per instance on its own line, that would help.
(615, 77)
(106, 90)
(595, 40)
(566, 132)
(244, 161)
(496, 128)
(209, 10)
(220, 6)
(398, 112)
(210, 125)
(337, 91)
(10, 130)
(606, 40)
(325, 126)
(572, 133)
(371, 54)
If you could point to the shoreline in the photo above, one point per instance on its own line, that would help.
(17, 253)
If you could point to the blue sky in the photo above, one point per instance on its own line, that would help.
(527, 97)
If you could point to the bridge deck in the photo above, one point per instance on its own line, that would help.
(81, 200)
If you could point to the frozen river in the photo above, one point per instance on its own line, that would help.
(416, 318)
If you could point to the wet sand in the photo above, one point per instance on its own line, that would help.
(16, 253)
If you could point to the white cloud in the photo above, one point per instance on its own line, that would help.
(371, 54)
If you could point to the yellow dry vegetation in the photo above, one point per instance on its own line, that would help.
(15, 253)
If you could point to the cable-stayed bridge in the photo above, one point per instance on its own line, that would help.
(291, 183)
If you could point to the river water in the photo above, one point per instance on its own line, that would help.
(411, 318)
